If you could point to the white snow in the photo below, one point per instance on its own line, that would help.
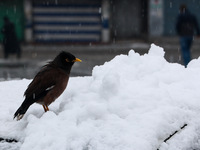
(133, 102)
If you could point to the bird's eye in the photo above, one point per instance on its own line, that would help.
(67, 60)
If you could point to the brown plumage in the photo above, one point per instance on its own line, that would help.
(48, 84)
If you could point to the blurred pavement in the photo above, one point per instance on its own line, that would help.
(36, 55)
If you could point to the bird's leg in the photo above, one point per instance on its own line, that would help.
(45, 108)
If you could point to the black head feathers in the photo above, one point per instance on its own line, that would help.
(65, 59)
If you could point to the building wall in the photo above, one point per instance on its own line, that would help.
(127, 18)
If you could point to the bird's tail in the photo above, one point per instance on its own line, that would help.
(22, 109)
(20, 112)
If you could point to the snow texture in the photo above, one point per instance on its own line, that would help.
(133, 102)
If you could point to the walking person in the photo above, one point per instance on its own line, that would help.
(10, 41)
(186, 27)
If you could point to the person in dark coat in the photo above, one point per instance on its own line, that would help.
(10, 41)
(186, 27)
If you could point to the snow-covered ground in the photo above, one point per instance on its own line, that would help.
(132, 102)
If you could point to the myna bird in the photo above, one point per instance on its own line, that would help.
(48, 84)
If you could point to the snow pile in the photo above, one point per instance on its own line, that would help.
(132, 102)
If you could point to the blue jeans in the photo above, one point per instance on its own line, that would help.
(186, 43)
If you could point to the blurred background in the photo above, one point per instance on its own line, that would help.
(93, 30)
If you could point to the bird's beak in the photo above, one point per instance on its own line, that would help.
(77, 60)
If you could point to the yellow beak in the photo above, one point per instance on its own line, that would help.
(77, 60)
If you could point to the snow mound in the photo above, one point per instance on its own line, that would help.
(132, 102)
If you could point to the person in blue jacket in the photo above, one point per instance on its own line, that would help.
(186, 27)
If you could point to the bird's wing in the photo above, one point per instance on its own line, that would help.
(43, 82)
